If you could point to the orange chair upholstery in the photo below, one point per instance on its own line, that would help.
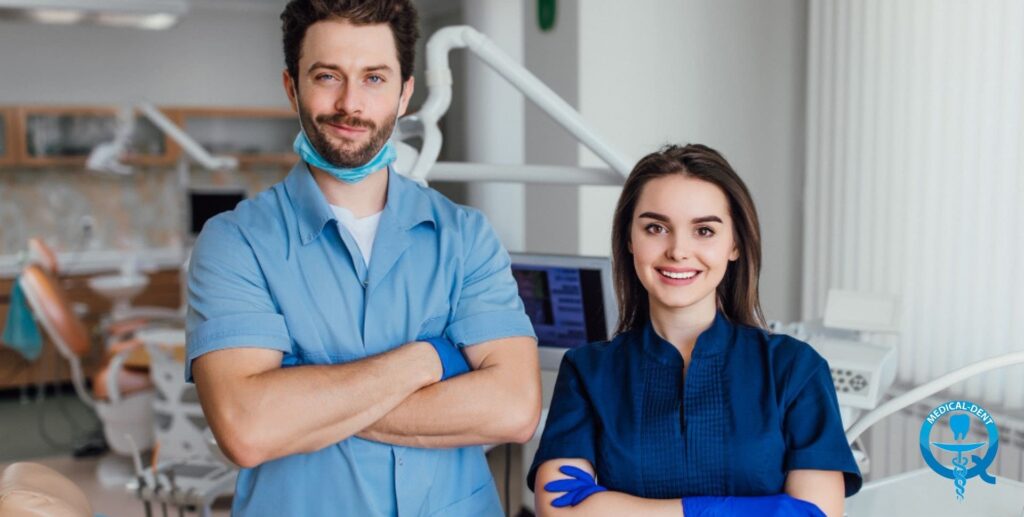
(42, 255)
(128, 381)
(53, 310)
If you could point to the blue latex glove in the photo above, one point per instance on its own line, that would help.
(578, 487)
(452, 361)
(780, 505)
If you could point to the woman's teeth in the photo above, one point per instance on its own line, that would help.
(679, 276)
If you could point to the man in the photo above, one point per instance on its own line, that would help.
(327, 314)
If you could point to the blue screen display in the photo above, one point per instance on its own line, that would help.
(565, 305)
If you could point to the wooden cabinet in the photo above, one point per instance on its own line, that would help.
(8, 146)
(164, 290)
(49, 136)
(256, 136)
(64, 136)
(46, 136)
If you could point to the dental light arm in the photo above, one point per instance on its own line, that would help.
(106, 157)
(439, 81)
(930, 388)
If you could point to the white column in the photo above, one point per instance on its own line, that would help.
(494, 118)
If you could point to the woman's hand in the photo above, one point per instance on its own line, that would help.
(822, 488)
(576, 489)
(591, 502)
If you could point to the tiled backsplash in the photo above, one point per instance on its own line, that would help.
(144, 210)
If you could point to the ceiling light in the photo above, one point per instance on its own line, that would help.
(143, 14)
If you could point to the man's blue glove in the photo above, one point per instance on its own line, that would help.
(779, 505)
(578, 487)
(452, 361)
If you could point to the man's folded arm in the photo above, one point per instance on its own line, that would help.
(259, 411)
(498, 402)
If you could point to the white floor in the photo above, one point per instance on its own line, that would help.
(111, 502)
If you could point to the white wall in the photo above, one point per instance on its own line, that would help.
(213, 57)
(726, 73)
(551, 211)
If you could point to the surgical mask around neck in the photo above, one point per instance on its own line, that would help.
(385, 157)
(304, 148)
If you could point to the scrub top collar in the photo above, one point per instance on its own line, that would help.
(713, 341)
(407, 204)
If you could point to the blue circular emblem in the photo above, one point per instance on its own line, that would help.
(957, 414)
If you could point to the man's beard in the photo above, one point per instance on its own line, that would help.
(343, 158)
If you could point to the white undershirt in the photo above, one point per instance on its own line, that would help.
(363, 229)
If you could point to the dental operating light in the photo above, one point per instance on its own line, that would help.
(424, 123)
(106, 157)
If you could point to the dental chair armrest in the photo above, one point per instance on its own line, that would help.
(165, 313)
(115, 366)
(146, 317)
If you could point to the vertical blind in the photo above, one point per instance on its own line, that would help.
(915, 177)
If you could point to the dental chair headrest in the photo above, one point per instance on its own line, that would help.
(52, 308)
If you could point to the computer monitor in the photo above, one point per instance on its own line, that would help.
(569, 299)
(206, 203)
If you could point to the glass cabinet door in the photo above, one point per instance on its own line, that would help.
(65, 136)
(254, 136)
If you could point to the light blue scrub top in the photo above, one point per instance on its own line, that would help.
(280, 272)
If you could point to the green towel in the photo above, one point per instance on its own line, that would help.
(21, 332)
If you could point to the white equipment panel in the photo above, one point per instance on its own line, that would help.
(861, 372)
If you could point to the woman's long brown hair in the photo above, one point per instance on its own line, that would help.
(737, 295)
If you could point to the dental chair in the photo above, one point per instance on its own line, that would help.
(189, 471)
(42, 255)
(122, 398)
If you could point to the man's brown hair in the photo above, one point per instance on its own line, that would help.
(400, 15)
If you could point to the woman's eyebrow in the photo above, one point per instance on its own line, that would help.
(695, 220)
(654, 215)
(706, 219)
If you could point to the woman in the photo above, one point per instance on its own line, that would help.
(693, 400)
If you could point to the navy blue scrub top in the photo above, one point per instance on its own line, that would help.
(753, 406)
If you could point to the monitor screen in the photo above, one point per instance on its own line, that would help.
(569, 301)
(204, 204)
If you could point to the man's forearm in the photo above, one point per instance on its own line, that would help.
(497, 403)
(284, 411)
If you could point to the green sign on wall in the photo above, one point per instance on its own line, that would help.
(546, 10)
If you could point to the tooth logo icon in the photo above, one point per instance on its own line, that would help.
(960, 424)
(958, 414)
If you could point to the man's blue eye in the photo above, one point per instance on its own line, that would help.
(375, 79)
